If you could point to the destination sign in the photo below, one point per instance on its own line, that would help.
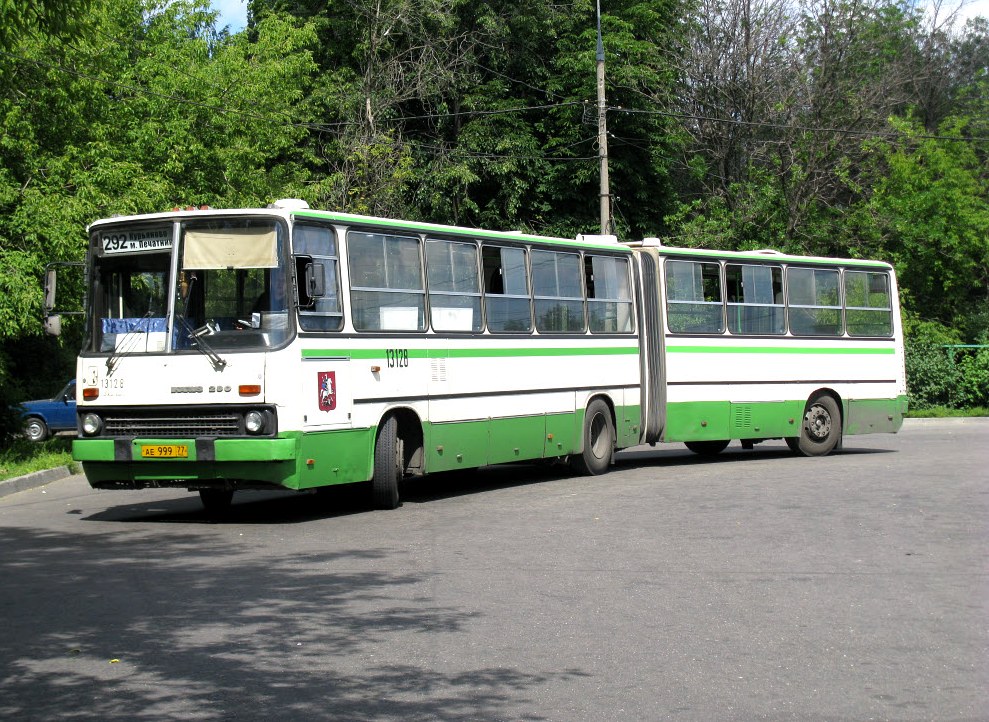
(149, 239)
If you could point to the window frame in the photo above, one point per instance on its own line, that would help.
(781, 306)
(561, 300)
(305, 312)
(887, 310)
(672, 302)
(422, 323)
(590, 302)
(488, 296)
(478, 327)
(836, 271)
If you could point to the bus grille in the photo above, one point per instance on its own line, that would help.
(184, 425)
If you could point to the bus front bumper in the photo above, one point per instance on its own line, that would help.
(188, 463)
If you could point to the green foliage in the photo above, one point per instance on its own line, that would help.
(929, 214)
(973, 377)
(932, 376)
(943, 370)
(24, 457)
(731, 124)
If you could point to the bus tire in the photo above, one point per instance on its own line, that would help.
(706, 448)
(599, 440)
(820, 429)
(387, 466)
(36, 429)
(216, 501)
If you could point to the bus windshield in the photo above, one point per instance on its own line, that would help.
(223, 288)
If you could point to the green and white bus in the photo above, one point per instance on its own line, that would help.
(292, 348)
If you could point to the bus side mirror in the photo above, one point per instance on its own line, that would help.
(53, 324)
(315, 280)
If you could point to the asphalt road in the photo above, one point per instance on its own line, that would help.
(755, 586)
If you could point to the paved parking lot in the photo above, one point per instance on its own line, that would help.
(756, 585)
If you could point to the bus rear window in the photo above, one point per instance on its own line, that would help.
(867, 304)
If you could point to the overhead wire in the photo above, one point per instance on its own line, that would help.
(286, 120)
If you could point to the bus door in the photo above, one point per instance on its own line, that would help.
(652, 346)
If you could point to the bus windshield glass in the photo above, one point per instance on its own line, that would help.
(228, 291)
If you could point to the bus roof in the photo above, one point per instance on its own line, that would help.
(291, 211)
(287, 210)
(759, 256)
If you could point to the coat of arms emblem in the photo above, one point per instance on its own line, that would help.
(327, 390)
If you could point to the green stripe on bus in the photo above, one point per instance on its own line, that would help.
(370, 354)
(803, 350)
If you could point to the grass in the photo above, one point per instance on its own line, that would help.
(943, 412)
(22, 457)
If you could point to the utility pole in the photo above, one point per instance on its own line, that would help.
(603, 135)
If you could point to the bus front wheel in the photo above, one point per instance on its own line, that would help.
(599, 440)
(387, 466)
(820, 430)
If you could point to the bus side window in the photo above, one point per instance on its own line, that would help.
(609, 294)
(814, 304)
(868, 310)
(693, 293)
(387, 291)
(454, 286)
(506, 290)
(557, 287)
(315, 249)
(753, 291)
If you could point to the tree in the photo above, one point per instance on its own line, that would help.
(929, 214)
(149, 109)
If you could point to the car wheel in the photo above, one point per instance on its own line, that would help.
(36, 429)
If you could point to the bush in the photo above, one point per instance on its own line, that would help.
(932, 375)
(973, 377)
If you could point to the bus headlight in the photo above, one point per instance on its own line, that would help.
(92, 424)
(254, 422)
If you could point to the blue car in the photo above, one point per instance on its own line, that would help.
(44, 417)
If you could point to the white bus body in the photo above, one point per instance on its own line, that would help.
(292, 348)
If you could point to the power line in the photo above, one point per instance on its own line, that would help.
(288, 121)
(801, 128)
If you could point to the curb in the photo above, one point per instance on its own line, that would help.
(33, 481)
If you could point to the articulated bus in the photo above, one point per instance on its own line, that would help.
(292, 348)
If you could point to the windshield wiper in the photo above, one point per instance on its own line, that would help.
(197, 335)
(130, 342)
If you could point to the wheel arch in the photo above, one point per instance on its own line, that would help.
(410, 431)
(828, 391)
(609, 402)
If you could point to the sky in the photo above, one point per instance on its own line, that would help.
(234, 12)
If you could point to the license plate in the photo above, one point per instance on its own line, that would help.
(165, 451)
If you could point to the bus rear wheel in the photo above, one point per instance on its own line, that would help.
(599, 440)
(706, 448)
(387, 466)
(820, 430)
